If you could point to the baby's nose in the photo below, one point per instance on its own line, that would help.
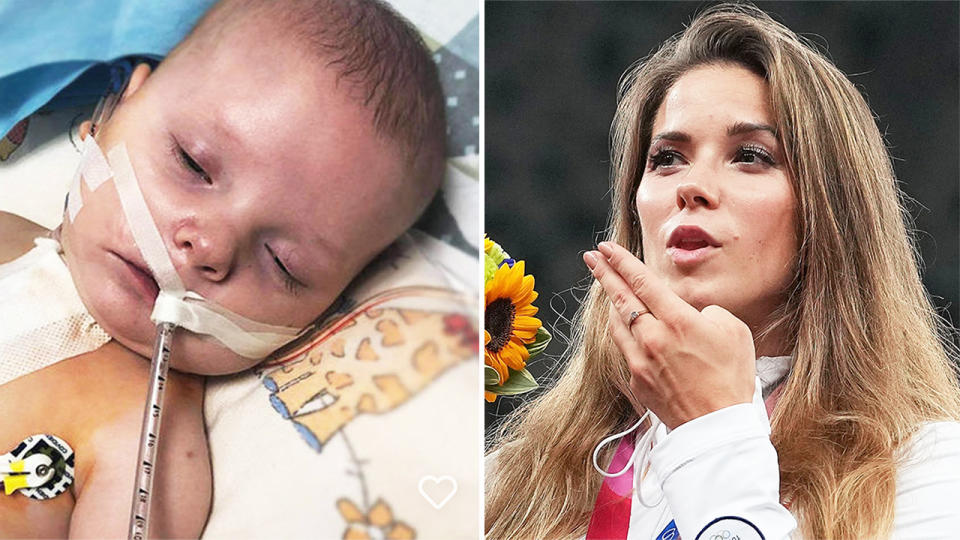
(206, 250)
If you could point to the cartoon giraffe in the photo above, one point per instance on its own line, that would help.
(376, 360)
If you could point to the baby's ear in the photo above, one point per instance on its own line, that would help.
(140, 74)
(85, 128)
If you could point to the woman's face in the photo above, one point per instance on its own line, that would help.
(716, 207)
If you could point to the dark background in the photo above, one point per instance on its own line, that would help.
(551, 73)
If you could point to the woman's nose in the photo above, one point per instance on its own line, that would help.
(692, 194)
(207, 250)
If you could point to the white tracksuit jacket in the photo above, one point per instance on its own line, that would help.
(719, 478)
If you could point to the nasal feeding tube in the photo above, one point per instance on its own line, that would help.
(175, 306)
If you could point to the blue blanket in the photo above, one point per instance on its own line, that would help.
(47, 46)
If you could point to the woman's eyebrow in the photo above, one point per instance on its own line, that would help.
(746, 127)
(738, 128)
(677, 136)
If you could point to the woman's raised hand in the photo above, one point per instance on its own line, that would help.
(683, 363)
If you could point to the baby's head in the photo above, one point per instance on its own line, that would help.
(279, 147)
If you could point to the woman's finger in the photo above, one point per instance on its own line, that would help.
(629, 308)
(644, 382)
(624, 339)
(633, 352)
(665, 305)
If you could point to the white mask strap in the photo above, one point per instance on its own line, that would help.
(596, 451)
(641, 450)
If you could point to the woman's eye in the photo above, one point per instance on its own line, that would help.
(664, 158)
(192, 166)
(753, 154)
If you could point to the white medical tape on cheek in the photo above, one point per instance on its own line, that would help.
(96, 171)
(74, 200)
(93, 169)
(142, 226)
(175, 304)
(201, 316)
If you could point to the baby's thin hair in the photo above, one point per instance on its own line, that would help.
(372, 48)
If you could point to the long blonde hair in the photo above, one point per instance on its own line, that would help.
(872, 359)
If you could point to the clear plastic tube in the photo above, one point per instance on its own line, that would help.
(150, 433)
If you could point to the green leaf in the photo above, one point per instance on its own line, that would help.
(497, 254)
(519, 382)
(489, 267)
(522, 373)
(540, 343)
(490, 376)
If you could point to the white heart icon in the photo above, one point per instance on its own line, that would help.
(437, 490)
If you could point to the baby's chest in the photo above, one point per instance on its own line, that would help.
(22, 516)
(43, 403)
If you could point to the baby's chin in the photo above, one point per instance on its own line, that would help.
(205, 355)
(130, 325)
(189, 352)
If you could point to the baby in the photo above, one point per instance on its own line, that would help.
(279, 148)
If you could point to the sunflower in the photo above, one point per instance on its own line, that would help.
(509, 321)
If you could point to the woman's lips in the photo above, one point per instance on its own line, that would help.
(686, 256)
(689, 245)
(142, 280)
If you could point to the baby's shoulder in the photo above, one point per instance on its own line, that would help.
(16, 235)
(95, 402)
(182, 473)
(111, 384)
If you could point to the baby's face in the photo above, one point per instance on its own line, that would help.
(269, 186)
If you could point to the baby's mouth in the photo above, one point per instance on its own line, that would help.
(142, 279)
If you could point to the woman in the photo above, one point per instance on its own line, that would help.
(751, 180)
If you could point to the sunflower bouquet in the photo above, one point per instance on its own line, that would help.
(511, 333)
